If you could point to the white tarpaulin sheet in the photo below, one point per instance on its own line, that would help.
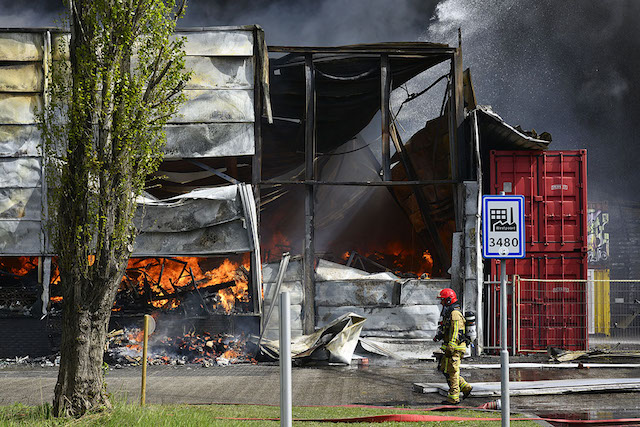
(336, 342)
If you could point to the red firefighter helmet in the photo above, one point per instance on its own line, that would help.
(448, 296)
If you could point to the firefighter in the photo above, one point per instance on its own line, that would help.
(452, 332)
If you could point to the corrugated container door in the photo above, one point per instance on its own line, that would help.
(554, 186)
(551, 310)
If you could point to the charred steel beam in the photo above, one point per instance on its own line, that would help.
(360, 183)
(214, 171)
(385, 89)
(458, 95)
(427, 50)
(256, 163)
(193, 284)
(425, 211)
(308, 309)
(180, 292)
(452, 124)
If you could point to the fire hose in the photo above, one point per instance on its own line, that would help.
(435, 418)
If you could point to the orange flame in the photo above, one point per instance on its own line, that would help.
(163, 277)
(18, 266)
(231, 354)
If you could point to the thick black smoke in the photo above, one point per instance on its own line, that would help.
(567, 67)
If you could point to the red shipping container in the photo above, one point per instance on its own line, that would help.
(554, 186)
(551, 311)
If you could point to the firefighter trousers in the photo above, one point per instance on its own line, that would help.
(450, 367)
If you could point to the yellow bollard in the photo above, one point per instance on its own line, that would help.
(145, 340)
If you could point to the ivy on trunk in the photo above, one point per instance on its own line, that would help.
(102, 126)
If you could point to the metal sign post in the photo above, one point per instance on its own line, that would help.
(503, 238)
(286, 417)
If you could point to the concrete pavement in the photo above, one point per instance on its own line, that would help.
(384, 382)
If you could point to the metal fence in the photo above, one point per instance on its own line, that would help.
(491, 298)
(568, 314)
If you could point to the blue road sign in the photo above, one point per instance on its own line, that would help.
(503, 226)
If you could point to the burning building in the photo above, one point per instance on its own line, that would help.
(278, 149)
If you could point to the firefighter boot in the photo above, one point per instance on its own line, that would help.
(465, 388)
(450, 401)
(466, 391)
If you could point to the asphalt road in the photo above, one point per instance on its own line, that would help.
(384, 382)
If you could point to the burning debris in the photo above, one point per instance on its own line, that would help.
(124, 347)
(194, 286)
(19, 289)
(400, 262)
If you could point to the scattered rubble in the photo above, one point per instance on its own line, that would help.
(43, 361)
(125, 348)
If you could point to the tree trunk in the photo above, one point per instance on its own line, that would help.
(81, 385)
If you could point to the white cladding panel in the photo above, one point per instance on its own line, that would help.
(22, 77)
(21, 203)
(19, 140)
(19, 237)
(18, 109)
(218, 43)
(209, 106)
(21, 46)
(220, 72)
(20, 172)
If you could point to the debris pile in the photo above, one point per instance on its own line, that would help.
(124, 347)
(42, 361)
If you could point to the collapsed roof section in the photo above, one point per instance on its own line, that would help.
(347, 93)
(496, 134)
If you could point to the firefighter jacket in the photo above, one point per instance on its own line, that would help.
(454, 331)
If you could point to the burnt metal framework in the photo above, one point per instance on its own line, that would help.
(456, 143)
